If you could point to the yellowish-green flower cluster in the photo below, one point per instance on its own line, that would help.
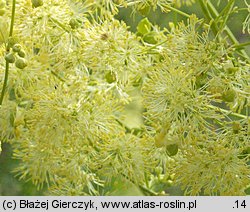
(66, 112)
(181, 95)
(213, 168)
(116, 53)
(173, 93)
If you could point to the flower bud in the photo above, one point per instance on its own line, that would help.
(229, 95)
(172, 149)
(21, 63)
(17, 47)
(37, 3)
(21, 53)
(74, 24)
(10, 58)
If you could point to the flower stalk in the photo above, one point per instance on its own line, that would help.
(7, 65)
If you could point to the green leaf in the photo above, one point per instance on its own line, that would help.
(144, 26)
(150, 38)
(172, 149)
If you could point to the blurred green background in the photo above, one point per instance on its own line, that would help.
(10, 185)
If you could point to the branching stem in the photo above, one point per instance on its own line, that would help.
(177, 11)
(227, 112)
(212, 10)
(7, 50)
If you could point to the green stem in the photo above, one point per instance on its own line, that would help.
(177, 11)
(132, 3)
(12, 17)
(5, 82)
(59, 24)
(181, 12)
(175, 18)
(242, 9)
(141, 187)
(241, 45)
(229, 33)
(57, 76)
(152, 47)
(209, 18)
(228, 112)
(150, 192)
(7, 50)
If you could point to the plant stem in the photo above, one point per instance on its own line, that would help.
(5, 81)
(7, 50)
(177, 11)
(141, 187)
(150, 192)
(214, 27)
(59, 24)
(241, 45)
(57, 76)
(152, 47)
(228, 112)
(12, 17)
(181, 12)
(229, 33)
(209, 18)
